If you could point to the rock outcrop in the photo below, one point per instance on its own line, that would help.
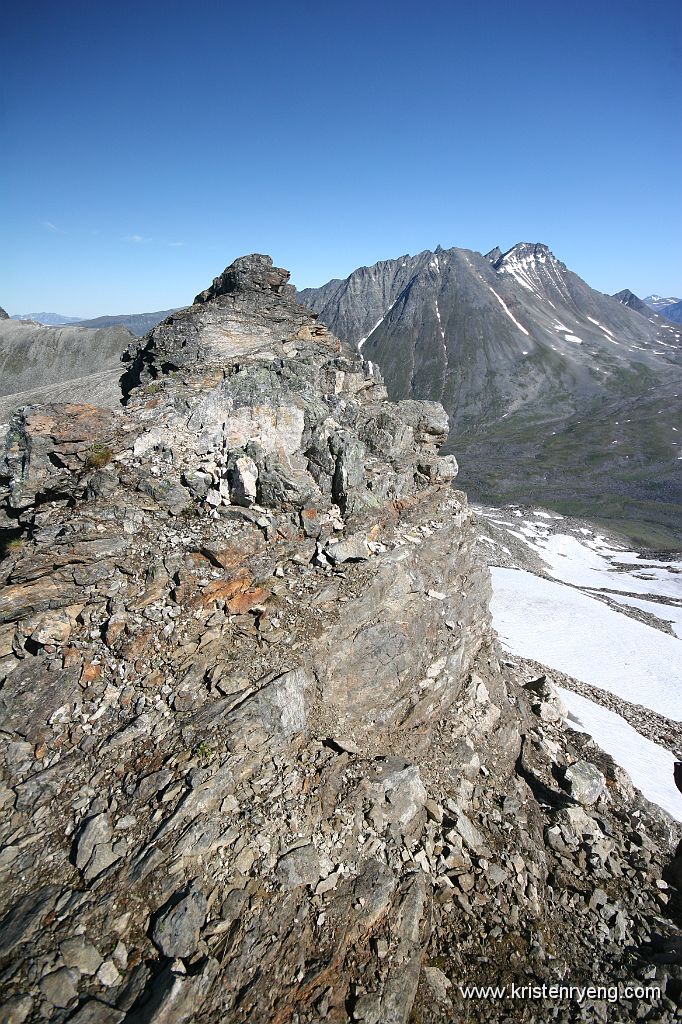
(262, 759)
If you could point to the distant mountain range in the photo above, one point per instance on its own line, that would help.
(137, 323)
(49, 319)
(670, 308)
(661, 305)
(558, 394)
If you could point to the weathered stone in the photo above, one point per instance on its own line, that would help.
(20, 924)
(34, 693)
(254, 272)
(197, 483)
(472, 836)
(243, 479)
(175, 998)
(167, 493)
(78, 952)
(299, 867)
(176, 931)
(16, 1010)
(353, 549)
(96, 1012)
(52, 627)
(93, 852)
(400, 792)
(108, 975)
(438, 982)
(61, 987)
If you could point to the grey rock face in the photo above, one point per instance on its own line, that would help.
(299, 867)
(249, 273)
(78, 952)
(249, 311)
(94, 852)
(61, 987)
(354, 549)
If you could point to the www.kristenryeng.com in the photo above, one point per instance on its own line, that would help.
(562, 993)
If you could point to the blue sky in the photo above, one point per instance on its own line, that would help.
(146, 145)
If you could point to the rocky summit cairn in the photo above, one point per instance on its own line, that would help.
(262, 760)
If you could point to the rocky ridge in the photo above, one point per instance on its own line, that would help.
(262, 758)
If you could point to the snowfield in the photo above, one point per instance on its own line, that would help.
(557, 620)
(569, 631)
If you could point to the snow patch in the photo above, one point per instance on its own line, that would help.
(649, 766)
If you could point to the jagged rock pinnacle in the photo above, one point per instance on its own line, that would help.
(250, 310)
(248, 273)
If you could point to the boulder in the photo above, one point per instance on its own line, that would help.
(585, 782)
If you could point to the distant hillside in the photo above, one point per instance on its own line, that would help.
(137, 323)
(59, 364)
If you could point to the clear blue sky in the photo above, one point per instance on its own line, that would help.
(146, 145)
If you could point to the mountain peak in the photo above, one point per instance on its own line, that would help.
(535, 249)
(632, 301)
(522, 252)
(250, 310)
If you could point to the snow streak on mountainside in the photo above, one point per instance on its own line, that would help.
(556, 393)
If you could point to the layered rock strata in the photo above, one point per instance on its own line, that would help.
(262, 761)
